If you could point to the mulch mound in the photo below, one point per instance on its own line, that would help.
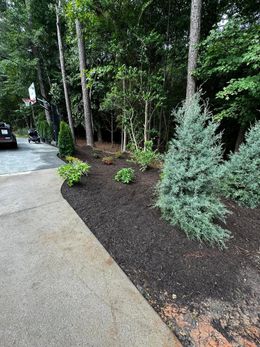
(209, 297)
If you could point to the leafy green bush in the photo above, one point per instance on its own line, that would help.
(71, 159)
(45, 130)
(118, 155)
(145, 156)
(48, 133)
(241, 174)
(65, 140)
(125, 175)
(73, 171)
(190, 181)
(108, 160)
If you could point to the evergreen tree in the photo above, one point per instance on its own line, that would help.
(65, 140)
(241, 174)
(189, 188)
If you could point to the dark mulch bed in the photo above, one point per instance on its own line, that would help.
(179, 277)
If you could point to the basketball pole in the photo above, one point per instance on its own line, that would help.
(33, 116)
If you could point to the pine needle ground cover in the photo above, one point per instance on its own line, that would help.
(191, 285)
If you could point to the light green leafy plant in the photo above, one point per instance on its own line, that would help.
(71, 159)
(73, 171)
(125, 175)
(108, 160)
(118, 155)
(145, 156)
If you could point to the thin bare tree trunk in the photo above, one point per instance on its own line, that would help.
(240, 137)
(63, 71)
(145, 121)
(41, 83)
(85, 91)
(112, 131)
(195, 20)
(99, 134)
(123, 141)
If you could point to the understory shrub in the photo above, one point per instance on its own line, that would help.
(45, 130)
(118, 154)
(188, 192)
(241, 174)
(73, 171)
(145, 156)
(65, 140)
(108, 160)
(125, 175)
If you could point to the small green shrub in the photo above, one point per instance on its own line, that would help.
(241, 174)
(118, 155)
(125, 175)
(65, 141)
(71, 159)
(95, 155)
(73, 171)
(108, 160)
(145, 156)
(45, 130)
(48, 133)
(189, 189)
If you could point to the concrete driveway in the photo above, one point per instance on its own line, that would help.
(58, 285)
(28, 157)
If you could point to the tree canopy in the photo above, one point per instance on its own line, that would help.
(136, 55)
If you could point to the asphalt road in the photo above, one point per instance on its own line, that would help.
(28, 157)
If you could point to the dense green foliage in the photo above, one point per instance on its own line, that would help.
(231, 54)
(125, 175)
(241, 174)
(188, 193)
(145, 156)
(65, 141)
(45, 130)
(73, 171)
(136, 63)
(27, 42)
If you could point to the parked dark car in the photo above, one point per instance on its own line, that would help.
(7, 138)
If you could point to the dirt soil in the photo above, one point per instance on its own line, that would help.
(209, 297)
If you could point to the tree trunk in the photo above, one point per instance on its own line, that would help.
(32, 117)
(145, 121)
(112, 130)
(195, 19)
(99, 134)
(63, 71)
(240, 137)
(85, 91)
(124, 139)
(41, 83)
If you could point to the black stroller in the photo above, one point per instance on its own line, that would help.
(33, 136)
